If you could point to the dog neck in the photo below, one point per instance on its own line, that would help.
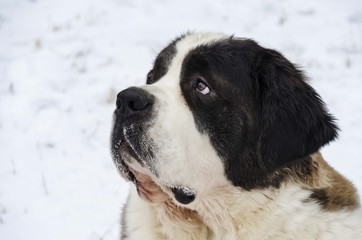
(232, 213)
(236, 212)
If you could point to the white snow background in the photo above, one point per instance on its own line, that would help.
(61, 63)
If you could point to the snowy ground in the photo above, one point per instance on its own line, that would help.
(61, 62)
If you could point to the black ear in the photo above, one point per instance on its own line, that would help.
(291, 117)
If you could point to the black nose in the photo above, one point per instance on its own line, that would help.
(134, 104)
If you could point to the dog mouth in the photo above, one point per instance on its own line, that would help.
(133, 169)
(133, 158)
(133, 152)
(126, 158)
(118, 152)
(127, 146)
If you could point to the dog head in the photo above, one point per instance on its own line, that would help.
(218, 110)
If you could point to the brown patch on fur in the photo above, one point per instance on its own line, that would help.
(330, 189)
(177, 213)
(147, 189)
(183, 219)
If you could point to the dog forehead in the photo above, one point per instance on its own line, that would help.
(191, 41)
(168, 64)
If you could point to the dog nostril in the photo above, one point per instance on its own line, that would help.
(134, 103)
(118, 103)
(131, 106)
(139, 105)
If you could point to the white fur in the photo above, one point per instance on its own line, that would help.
(186, 157)
(256, 215)
(174, 130)
(140, 218)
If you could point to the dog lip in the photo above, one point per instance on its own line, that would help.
(119, 160)
(123, 168)
(123, 156)
(124, 152)
(121, 145)
(130, 176)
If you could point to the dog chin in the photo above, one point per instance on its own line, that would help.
(149, 187)
(145, 177)
(122, 167)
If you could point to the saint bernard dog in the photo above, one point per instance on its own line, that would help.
(223, 143)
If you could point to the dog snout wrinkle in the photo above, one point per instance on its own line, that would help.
(134, 104)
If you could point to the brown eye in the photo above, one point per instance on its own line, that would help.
(201, 87)
(149, 77)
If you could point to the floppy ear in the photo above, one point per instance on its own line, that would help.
(292, 119)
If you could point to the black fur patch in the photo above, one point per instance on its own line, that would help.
(293, 119)
(163, 61)
(335, 199)
(320, 196)
(261, 115)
